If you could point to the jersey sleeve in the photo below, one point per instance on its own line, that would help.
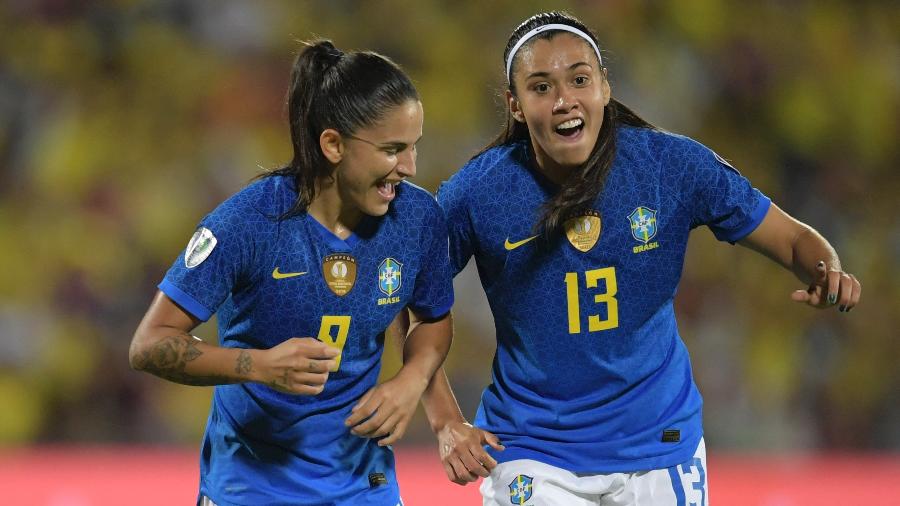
(452, 200)
(433, 294)
(720, 197)
(215, 260)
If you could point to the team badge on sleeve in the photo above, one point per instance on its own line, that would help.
(390, 276)
(520, 489)
(583, 231)
(340, 273)
(199, 247)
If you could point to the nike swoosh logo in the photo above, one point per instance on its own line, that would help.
(281, 275)
(513, 245)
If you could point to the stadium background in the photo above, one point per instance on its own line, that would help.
(123, 122)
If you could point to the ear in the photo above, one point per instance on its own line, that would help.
(332, 145)
(514, 108)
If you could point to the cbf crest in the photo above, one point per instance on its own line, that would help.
(390, 276)
(583, 231)
(520, 489)
(643, 224)
(340, 273)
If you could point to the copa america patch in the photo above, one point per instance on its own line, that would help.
(199, 247)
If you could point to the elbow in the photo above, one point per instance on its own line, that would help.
(137, 356)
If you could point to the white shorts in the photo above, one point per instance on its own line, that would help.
(533, 483)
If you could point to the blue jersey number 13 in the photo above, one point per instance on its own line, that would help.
(595, 324)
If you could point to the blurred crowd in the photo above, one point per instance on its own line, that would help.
(123, 122)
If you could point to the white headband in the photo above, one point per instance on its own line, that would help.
(532, 33)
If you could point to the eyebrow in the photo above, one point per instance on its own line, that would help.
(546, 74)
(398, 144)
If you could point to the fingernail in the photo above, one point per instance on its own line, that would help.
(832, 298)
(842, 308)
(849, 309)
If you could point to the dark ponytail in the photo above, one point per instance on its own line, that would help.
(342, 91)
(581, 188)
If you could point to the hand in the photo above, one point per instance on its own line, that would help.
(299, 365)
(830, 287)
(462, 452)
(386, 409)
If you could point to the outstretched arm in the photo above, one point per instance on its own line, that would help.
(799, 248)
(162, 345)
(461, 446)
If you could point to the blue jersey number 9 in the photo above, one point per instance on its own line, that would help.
(595, 324)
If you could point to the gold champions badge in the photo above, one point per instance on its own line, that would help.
(340, 273)
(583, 231)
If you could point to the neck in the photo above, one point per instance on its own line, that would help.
(329, 209)
(553, 171)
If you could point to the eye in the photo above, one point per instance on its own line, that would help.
(541, 88)
(581, 80)
(392, 151)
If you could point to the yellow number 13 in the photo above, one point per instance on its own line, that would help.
(608, 297)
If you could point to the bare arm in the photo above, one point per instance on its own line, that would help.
(802, 250)
(163, 346)
(386, 409)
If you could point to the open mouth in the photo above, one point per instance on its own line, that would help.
(570, 129)
(387, 189)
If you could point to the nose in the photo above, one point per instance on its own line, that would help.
(406, 163)
(565, 101)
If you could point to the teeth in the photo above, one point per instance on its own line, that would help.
(572, 123)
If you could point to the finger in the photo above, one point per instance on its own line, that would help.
(846, 291)
(484, 458)
(800, 296)
(834, 286)
(309, 379)
(370, 424)
(319, 349)
(386, 427)
(462, 472)
(857, 291)
(474, 466)
(396, 433)
(361, 410)
(492, 440)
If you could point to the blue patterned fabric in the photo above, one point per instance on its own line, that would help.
(266, 280)
(590, 369)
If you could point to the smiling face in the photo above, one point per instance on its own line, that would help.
(371, 162)
(561, 91)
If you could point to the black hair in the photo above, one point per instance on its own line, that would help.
(342, 91)
(581, 188)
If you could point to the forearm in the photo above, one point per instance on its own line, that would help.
(177, 356)
(425, 349)
(440, 404)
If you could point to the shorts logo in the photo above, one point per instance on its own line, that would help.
(520, 489)
(390, 276)
(340, 273)
(583, 231)
(199, 247)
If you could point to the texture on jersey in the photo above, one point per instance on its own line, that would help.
(590, 371)
(270, 280)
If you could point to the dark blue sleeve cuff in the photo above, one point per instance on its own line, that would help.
(762, 207)
(432, 313)
(184, 300)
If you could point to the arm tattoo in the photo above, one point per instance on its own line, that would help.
(244, 363)
(169, 357)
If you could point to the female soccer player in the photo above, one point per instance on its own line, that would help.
(578, 216)
(306, 268)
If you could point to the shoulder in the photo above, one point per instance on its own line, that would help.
(269, 196)
(485, 171)
(414, 202)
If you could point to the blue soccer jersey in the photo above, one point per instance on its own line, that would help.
(590, 374)
(270, 280)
